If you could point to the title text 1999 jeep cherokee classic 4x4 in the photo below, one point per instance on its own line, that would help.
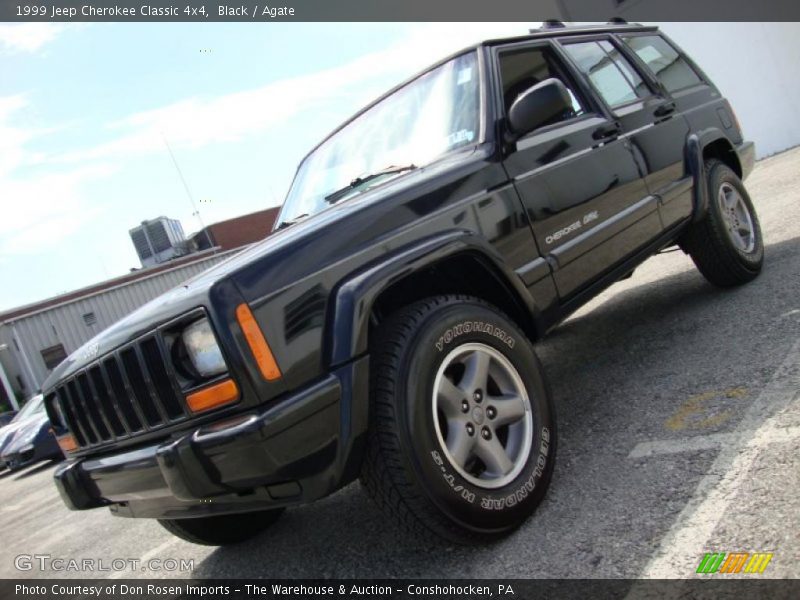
(385, 330)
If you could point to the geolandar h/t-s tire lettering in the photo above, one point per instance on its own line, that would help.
(726, 245)
(462, 431)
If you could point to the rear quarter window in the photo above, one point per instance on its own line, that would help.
(663, 60)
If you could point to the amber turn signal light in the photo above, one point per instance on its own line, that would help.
(258, 344)
(213, 396)
(67, 442)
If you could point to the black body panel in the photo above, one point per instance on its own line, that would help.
(550, 218)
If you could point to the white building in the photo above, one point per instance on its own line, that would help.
(757, 67)
(36, 337)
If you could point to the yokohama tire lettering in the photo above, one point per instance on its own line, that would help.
(468, 327)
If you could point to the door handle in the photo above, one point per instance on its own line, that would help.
(664, 110)
(606, 132)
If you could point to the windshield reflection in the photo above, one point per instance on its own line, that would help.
(433, 115)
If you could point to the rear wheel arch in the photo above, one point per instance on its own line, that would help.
(702, 147)
(722, 149)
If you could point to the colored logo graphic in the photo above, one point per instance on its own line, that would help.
(734, 562)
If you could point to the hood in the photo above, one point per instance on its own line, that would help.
(29, 427)
(278, 246)
(185, 297)
(7, 434)
(176, 301)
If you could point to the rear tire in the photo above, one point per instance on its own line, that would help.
(222, 530)
(462, 432)
(726, 245)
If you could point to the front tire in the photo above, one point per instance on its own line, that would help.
(462, 431)
(726, 245)
(222, 530)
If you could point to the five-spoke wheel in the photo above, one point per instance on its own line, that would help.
(725, 243)
(462, 434)
(737, 217)
(482, 415)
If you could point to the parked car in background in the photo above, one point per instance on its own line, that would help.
(31, 439)
(7, 417)
(8, 430)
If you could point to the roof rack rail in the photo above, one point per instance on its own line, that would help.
(552, 24)
(620, 21)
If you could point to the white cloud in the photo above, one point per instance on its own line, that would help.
(41, 210)
(29, 37)
(195, 122)
(12, 139)
(38, 210)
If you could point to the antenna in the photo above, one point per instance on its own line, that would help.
(195, 211)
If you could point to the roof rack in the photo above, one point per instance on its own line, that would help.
(619, 21)
(548, 24)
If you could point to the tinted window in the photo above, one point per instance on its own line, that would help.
(521, 69)
(612, 75)
(627, 69)
(672, 70)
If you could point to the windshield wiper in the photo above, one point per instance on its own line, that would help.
(290, 222)
(334, 197)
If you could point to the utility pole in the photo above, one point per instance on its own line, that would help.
(195, 211)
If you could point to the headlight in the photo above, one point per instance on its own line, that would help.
(203, 350)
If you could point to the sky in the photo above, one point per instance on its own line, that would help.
(87, 111)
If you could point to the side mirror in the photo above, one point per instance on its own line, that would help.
(537, 105)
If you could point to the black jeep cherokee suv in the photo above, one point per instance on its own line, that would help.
(385, 330)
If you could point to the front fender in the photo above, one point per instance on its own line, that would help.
(355, 297)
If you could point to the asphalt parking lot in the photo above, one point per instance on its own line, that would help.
(679, 434)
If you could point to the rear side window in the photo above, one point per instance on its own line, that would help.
(610, 73)
(672, 71)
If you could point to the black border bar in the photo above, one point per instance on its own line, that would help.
(396, 10)
(716, 587)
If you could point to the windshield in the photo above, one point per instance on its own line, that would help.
(32, 406)
(435, 114)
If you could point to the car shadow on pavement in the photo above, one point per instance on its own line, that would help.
(33, 469)
(669, 337)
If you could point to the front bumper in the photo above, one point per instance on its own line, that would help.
(298, 449)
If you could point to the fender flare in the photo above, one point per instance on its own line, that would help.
(696, 143)
(354, 297)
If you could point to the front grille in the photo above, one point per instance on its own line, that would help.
(126, 393)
